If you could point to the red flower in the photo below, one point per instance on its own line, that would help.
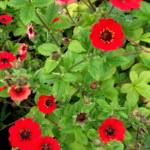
(23, 133)
(23, 57)
(30, 31)
(107, 35)
(19, 93)
(126, 4)
(6, 59)
(55, 20)
(6, 19)
(46, 143)
(23, 51)
(2, 88)
(46, 104)
(111, 129)
(65, 2)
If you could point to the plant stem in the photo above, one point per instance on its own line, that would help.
(86, 4)
(107, 13)
(83, 60)
(55, 123)
(92, 6)
(138, 45)
(13, 104)
(68, 13)
(5, 126)
(46, 26)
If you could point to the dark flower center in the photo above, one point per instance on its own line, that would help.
(18, 90)
(106, 35)
(123, 1)
(48, 102)
(4, 60)
(81, 117)
(24, 48)
(110, 131)
(30, 30)
(45, 146)
(3, 19)
(25, 134)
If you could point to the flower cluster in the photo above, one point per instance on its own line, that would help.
(106, 34)
(26, 134)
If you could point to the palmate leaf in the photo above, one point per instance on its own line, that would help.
(76, 47)
(80, 136)
(46, 49)
(132, 96)
(145, 58)
(61, 88)
(139, 86)
(108, 90)
(143, 13)
(41, 3)
(142, 87)
(99, 69)
(25, 13)
(50, 65)
(115, 146)
(3, 5)
(145, 37)
(18, 3)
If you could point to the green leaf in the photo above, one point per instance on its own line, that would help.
(76, 47)
(63, 23)
(3, 5)
(46, 49)
(99, 69)
(41, 3)
(80, 136)
(25, 13)
(132, 99)
(34, 111)
(142, 86)
(61, 88)
(143, 90)
(145, 58)
(126, 88)
(115, 146)
(145, 37)
(18, 3)
(107, 89)
(51, 12)
(133, 76)
(76, 145)
(3, 93)
(132, 96)
(50, 65)
(143, 13)
(92, 134)
(69, 77)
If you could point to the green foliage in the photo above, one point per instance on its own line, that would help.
(61, 61)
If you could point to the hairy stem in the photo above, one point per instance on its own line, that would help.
(68, 13)
(92, 6)
(46, 26)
